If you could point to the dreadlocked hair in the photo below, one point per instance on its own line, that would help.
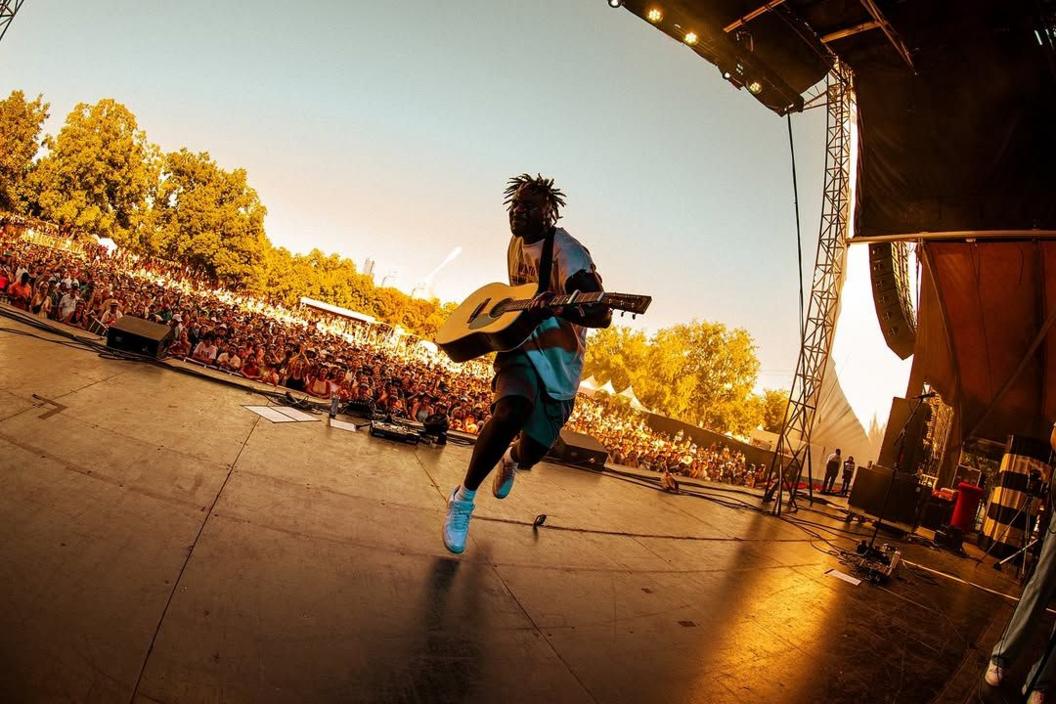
(553, 197)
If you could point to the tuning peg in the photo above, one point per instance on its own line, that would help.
(633, 316)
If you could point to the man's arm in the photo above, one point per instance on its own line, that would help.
(589, 316)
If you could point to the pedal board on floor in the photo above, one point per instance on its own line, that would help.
(877, 565)
(394, 431)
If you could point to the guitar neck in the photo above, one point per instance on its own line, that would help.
(572, 299)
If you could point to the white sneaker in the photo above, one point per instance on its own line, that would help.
(994, 674)
(502, 484)
(456, 524)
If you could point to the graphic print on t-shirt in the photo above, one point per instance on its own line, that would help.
(556, 347)
(526, 272)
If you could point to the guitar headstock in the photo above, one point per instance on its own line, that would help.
(630, 302)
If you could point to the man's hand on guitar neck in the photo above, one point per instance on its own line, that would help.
(591, 315)
(540, 306)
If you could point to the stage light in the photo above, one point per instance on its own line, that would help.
(654, 15)
(726, 75)
(615, 3)
(691, 38)
(755, 87)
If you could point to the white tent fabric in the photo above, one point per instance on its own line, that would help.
(836, 425)
(876, 435)
(338, 310)
(608, 388)
(872, 373)
(588, 387)
(108, 243)
(629, 394)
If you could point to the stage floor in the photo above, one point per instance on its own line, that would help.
(160, 543)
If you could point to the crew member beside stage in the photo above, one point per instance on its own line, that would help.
(1036, 596)
(832, 469)
(848, 473)
(535, 385)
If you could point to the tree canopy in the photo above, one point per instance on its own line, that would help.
(775, 401)
(97, 173)
(209, 218)
(102, 176)
(700, 372)
(21, 124)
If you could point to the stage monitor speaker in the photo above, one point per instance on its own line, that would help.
(913, 441)
(894, 309)
(132, 334)
(871, 486)
(579, 448)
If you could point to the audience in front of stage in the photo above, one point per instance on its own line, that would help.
(372, 365)
(269, 343)
(633, 443)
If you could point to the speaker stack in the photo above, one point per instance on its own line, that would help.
(893, 304)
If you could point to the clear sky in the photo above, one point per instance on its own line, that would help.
(387, 129)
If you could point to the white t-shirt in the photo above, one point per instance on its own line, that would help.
(556, 347)
(67, 304)
(202, 350)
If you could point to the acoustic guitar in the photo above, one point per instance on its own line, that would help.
(493, 318)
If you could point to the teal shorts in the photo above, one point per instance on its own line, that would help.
(516, 376)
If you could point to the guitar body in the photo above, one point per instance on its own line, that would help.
(476, 327)
(496, 317)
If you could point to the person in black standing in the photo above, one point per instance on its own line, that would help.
(848, 473)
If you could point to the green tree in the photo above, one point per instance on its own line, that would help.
(209, 217)
(98, 173)
(335, 279)
(699, 372)
(774, 403)
(718, 366)
(616, 353)
(438, 315)
(21, 124)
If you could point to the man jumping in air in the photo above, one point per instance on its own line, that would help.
(535, 385)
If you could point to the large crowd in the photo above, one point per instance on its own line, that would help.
(633, 443)
(304, 350)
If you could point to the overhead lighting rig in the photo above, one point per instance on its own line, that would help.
(729, 46)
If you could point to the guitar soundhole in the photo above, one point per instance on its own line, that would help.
(499, 308)
(479, 309)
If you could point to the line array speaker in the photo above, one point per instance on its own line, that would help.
(894, 308)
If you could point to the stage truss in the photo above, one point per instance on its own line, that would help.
(8, 10)
(792, 453)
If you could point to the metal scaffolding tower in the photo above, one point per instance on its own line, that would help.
(794, 441)
(8, 10)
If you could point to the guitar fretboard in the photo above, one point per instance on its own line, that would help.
(558, 301)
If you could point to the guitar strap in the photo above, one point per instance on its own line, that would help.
(546, 263)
